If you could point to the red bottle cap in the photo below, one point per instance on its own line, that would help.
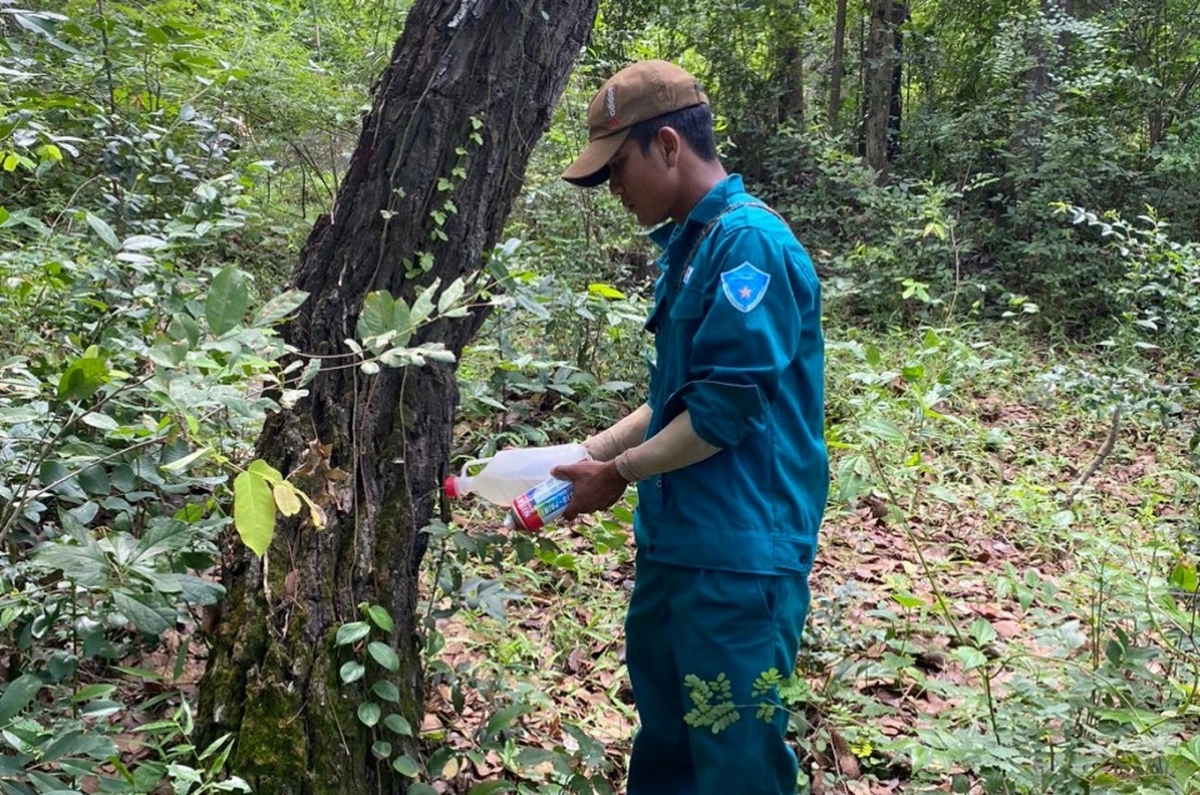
(450, 486)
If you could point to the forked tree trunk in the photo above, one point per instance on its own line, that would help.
(470, 88)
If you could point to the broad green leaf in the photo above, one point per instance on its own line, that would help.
(450, 296)
(1184, 577)
(386, 691)
(380, 618)
(99, 421)
(884, 430)
(368, 713)
(286, 499)
(422, 307)
(970, 657)
(146, 618)
(77, 743)
(382, 749)
(265, 471)
(254, 511)
(502, 719)
(351, 672)
(82, 378)
(279, 307)
(399, 724)
(405, 766)
(227, 301)
(490, 787)
(352, 633)
(384, 654)
(3, 215)
(106, 233)
(378, 315)
(421, 788)
(17, 695)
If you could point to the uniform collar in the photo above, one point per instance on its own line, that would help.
(705, 210)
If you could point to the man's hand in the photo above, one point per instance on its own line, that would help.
(598, 485)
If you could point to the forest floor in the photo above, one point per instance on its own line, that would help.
(1000, 543)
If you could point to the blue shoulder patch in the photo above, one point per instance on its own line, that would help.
(745, 286)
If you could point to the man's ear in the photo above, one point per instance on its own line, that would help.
(671, 144)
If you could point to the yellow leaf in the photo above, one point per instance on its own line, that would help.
(286, 499)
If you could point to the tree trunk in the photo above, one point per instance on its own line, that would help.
(839, 66)
(895, 111)
(470, 88)
(879, 54)
(791, 99)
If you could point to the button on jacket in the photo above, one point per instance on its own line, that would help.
(738, 343)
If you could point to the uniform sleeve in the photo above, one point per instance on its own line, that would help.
(755, 298)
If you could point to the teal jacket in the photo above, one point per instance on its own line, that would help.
(738, 342)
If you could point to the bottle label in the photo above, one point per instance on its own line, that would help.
(542, 504)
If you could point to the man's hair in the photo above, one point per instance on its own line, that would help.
(694, 125)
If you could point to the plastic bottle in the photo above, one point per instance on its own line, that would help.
(512, 472)
(541, 505)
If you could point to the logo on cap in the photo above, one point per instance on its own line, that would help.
(611, 100)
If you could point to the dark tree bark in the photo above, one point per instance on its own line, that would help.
(878, 65)
(895, 110)
(470, 88)
(839, 65)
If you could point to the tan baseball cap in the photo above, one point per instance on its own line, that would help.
(638, 92)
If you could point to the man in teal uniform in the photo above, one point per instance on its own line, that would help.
(728, 453)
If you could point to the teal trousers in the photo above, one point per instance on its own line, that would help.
(685, 621)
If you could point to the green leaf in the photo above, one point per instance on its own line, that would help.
(265, 471)
(279, 307)
(227, 301)
(387, 691)
(405, 766)
(146, 618)
(91, 692)
(490, 787)
(77, 743)
(368, 713)
(384, 655)
(180, 464)
(17, 695)
(422, 307)
(106, 233)
(352, 633)
(450, 296)
(254, 511)
(380, 618)
(351, 672)
(382, 749)
(1184, 577)
(378, 315)
(399, 724)
(884, 430)
(421, 788)
(502, 719)
(970, 657)
(82, 378)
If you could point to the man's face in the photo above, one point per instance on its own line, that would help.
(641, 181)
